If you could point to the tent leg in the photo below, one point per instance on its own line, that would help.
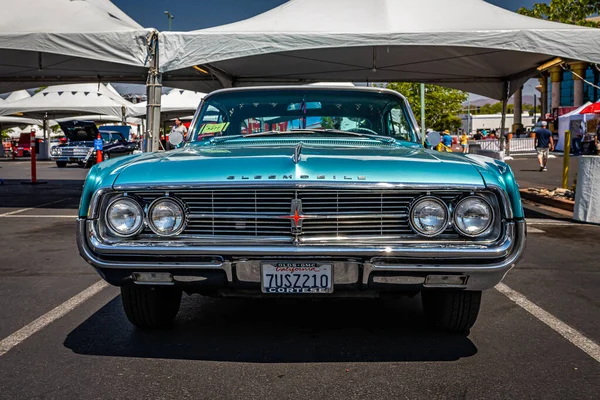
(503, 121)
(154, 92)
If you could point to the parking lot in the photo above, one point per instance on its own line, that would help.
(63, 335)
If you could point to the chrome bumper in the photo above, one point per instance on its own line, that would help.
(485, 266)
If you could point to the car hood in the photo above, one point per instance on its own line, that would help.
(195, 164)
(79, 131)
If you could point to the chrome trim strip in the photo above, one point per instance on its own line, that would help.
(481, 276)
(283, 184)
(463, 251)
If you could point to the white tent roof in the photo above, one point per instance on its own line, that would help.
(17, 95)
(575, 112)
(467, 44)
(42, 42)
(101, 119)
(69, 100)
(9, 122)
(175, 103)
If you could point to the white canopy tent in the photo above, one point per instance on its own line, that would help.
(491, 53)
(12, 122)
(574, 122)
(176, 103)
(44, 42)
(70, 100)
(17, 95)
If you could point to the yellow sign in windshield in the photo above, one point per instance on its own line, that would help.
(214, 128)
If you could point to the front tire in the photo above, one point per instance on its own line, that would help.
(451, 310)
(61, 164)
(150, 307)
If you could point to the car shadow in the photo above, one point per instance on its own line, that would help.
(275, 331)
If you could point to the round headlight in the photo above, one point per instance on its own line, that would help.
(56, 151)
(429, 216)
(125, 216)
(473, 216)
(167, 217)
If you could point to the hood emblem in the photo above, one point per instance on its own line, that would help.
(297, 152)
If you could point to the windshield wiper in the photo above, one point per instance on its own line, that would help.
(341, 132)
(222, 139)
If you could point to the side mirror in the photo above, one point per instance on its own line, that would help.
(434, 138)
(176, 138)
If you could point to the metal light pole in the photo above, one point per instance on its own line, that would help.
(423, 113)
(169, 17)
(469, 116)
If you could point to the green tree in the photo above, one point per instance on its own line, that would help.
(442, 105)
(573, 12)
(327, 123)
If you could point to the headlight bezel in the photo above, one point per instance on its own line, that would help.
(491, 222)
(184, 210)
(137, 205)
(447, 219)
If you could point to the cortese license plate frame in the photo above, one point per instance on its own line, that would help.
(280, 277)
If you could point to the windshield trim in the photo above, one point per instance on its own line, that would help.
(407, 110)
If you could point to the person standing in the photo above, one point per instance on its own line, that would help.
(179, 127)
(447, 140)
(544, 143)
(464, 142)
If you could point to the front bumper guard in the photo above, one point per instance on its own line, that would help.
(486, 266)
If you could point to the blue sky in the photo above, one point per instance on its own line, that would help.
(195, 14)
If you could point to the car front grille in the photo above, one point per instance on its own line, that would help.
(323, 214)
(74, 151)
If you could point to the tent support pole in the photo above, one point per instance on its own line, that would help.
(503, 122)
(153, 91)
(422, 113)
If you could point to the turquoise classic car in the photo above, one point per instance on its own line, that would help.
(307, 192)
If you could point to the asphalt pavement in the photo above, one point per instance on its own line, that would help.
(527, 171)
(537, 335)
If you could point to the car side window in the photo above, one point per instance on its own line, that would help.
(397, 125)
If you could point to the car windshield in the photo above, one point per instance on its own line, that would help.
(303, 111)
(111, 136)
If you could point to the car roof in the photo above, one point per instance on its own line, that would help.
(315, 88)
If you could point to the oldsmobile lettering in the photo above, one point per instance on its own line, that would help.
(303, 176)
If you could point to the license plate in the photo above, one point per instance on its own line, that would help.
(296, 278)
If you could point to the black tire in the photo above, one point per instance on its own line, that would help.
(150, 307)
(61, 164)
(451, 310)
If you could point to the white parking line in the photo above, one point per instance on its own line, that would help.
(32, 208)
(534, 230)
(572, 335)
(51, 316)
(547, 221)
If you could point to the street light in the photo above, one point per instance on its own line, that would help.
(533, 92)
(169, 17)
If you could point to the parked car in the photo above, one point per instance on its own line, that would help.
(331, 195)
(79, 147)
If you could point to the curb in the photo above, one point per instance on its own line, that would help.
(563, 204)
